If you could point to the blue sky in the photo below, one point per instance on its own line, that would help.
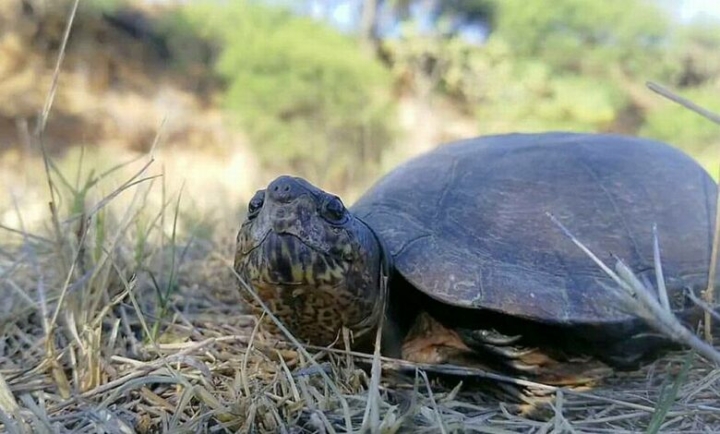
(344, 13)
(689, 9)
(346, 10)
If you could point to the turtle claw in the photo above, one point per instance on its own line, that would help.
(510, 352)
(494, 337)
(524, 367)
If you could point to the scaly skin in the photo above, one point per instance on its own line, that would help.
(315, 266)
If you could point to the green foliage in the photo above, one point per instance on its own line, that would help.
(584, 35)
(190, 52)
(572, 65)
(675, 124)
(696, 53)
(313, 102)
(103, 5)
(509, 93)
(306, 95)
(531, 98)
(471, 10)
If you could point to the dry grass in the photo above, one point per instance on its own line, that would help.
(115, 321)
(207, 370)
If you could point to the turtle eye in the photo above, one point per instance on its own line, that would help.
(256, 203)
(334, 210)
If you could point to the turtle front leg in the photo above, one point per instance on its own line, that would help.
(513, 355)
(431, 342)
(428, 341)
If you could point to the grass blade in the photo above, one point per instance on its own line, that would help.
(667, 399)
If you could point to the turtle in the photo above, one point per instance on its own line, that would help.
(455, 249)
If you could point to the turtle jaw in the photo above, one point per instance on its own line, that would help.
(284, 260)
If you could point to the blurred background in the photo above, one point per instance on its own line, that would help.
(337, 91)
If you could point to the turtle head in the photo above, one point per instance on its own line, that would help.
(313, 264)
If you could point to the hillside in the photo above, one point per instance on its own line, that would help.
(119, 86)
(122, 77)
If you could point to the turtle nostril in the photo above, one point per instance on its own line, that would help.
(284, 189)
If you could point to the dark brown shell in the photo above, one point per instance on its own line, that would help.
(467, 223)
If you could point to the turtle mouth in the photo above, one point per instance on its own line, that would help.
(284, 259)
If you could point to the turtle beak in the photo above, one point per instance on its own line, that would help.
(284, 219)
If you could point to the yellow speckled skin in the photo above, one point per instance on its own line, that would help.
(315, 271)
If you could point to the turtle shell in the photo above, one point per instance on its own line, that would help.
(467, 222)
